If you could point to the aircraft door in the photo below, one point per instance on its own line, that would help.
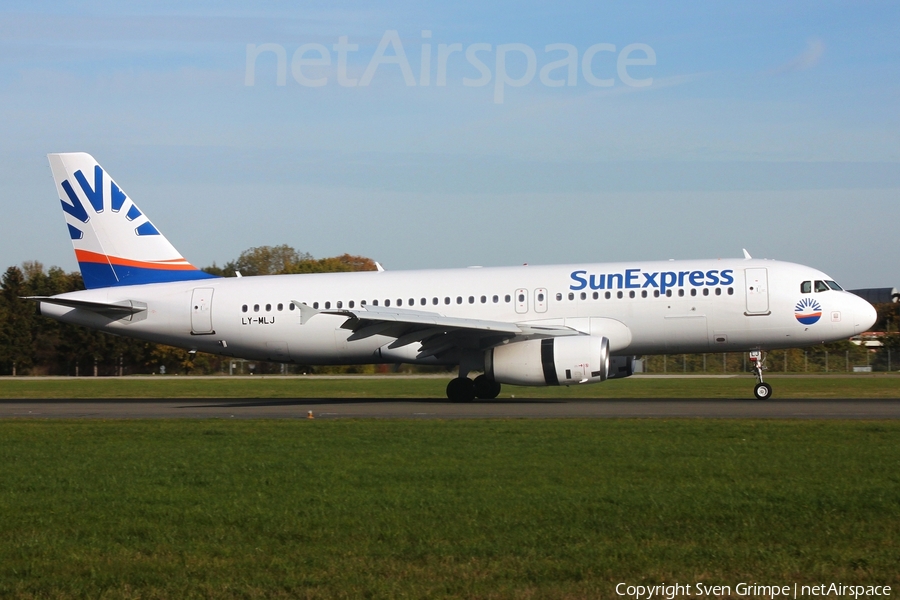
(201, 311)
(756, 285)
(540, 300)
(521, 301)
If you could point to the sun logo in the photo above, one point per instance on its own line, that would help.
(95, 196)
(808, 311)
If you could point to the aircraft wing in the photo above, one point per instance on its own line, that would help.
(438, 333)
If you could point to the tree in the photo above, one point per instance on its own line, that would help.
(337, 264)
(16, 349)
(283, 259)
(266, 260)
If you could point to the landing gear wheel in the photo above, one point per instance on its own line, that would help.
(485, 388)
(763, 391)
(461, 389)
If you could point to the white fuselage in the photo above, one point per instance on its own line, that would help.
(665, 307)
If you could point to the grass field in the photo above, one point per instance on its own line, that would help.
(467, 509)
(834, 386)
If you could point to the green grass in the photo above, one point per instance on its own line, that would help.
(469, 509)
(864, 386)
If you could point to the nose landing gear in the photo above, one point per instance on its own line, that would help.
(762, 391)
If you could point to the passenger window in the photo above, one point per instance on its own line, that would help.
(583, 295)
(507, 298)
(521, 297)
(412, 301)
(340, 304)
(644, 293)
(693, 291)
(374, 302)
(315, 305)
(399, 302)
(327, 305)
(631, 294)
(608, 295)
(483, 299)
(571, 295)
(244, 308)
(362, 302)
(496, 299)
(821, 287)
(291, 306)
(256, 308)
(446, 299)
(668, 293)
(559, 297)
(596, 295)
(268, 308)
(351, 304)
(387, 302)
(423, 301)
(280, 306)
(459, 299)
(471, 299)
(619, 295)
(680, 293)
(706, 291)
(434, 300)
(718, 291)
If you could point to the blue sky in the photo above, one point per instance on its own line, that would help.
(767, 126)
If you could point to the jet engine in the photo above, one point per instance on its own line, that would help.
(552, 361)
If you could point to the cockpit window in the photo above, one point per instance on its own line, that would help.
(834, 286)
(821, 287)
(806, 287)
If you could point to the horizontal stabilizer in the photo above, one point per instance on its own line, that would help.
(126, 307)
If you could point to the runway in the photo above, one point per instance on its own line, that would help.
(206, 408)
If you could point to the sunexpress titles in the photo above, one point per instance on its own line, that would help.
(661, 280)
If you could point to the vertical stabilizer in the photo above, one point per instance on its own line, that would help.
(115, 243)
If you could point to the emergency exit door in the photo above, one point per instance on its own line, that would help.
(201, 311)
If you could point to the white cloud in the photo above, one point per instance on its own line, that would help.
(807, 59)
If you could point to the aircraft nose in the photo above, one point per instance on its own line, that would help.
(864, 316)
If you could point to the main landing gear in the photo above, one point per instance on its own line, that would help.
(762, 391)
(463, 389)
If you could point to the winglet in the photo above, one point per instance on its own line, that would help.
(378, 267)
(746, 254)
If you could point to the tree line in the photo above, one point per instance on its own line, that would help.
(34, 345)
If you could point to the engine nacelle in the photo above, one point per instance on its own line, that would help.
(553, 361)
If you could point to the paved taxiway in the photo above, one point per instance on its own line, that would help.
(441, 409)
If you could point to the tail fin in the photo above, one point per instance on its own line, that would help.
(115, 243)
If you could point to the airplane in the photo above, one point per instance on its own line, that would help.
(524, 325)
